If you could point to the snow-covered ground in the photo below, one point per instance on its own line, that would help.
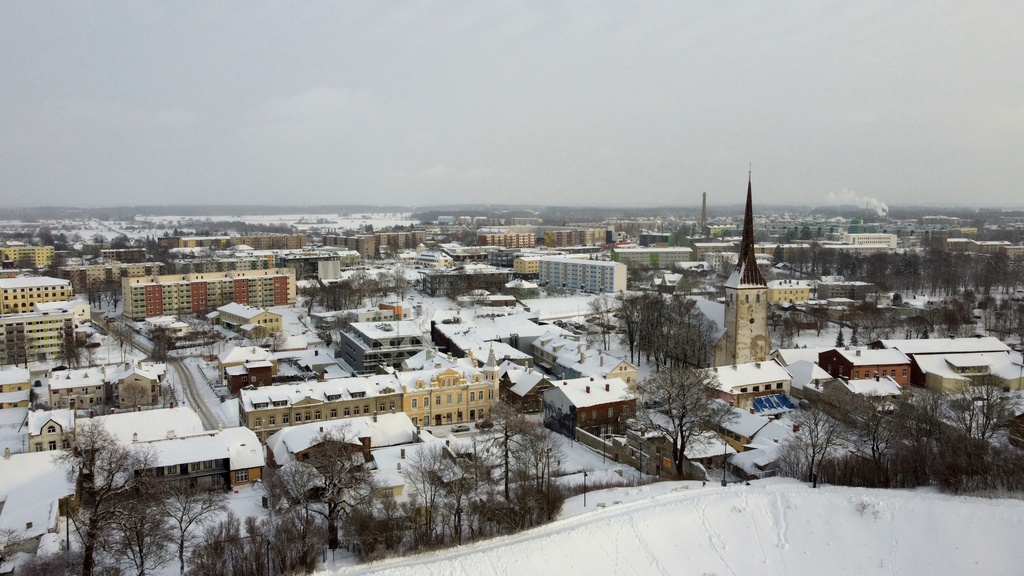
(769, 527)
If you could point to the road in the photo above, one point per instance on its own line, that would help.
(192, 398)
(182, 375)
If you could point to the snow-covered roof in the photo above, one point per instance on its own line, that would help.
(33, 281)
(13, 375)
(152, 424)
(592, 391)
(859, 356)
(577, 356)
(958, 366)
(328, 390)
(744, 423)
(241, 310)
(735, 376)
(946, 345)
(239, 444)
(709, 444)
(523, 381)
(38, 418)
(882, 387)
(31, 487)
(243, 354)
(805, 372)
(382, 430)
(787, 356)
(491, 325)
(386, 329)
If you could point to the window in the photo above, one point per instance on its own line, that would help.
(271, 420)
(334, 412)
(904, 372)
(316, 415)
(366, 408)
(437, 401)
(611, 412)
(583, 416)
(241, 476)
(50, 429)
(347, 411)
(449, 398)
(284, 418)
(426, 401)
(259, 422)
(53, 445)
(193, 467)
(308, 416)
(472, 396)
(207, 464)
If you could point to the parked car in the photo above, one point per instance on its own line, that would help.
(460, 428)
(484, 424)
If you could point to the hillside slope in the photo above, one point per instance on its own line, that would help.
(773, 527)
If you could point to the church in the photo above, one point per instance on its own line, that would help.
(746, 303)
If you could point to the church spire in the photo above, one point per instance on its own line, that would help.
(747, 271)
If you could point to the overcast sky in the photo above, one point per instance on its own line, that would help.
(402, 103)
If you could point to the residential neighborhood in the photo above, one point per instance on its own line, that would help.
(397, 288)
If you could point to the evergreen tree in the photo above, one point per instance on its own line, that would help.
(839, 339)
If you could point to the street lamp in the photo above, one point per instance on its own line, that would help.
(725, 452)
(584, 488)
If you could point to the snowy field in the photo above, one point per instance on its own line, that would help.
(769, 527)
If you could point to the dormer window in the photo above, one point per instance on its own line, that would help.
(51, 429)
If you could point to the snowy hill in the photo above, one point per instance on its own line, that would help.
(771, 527)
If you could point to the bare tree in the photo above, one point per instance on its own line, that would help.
(426, 473)
(139, 538)
(601, 307)
(108, 475)
(679, 406)
(188, 508)
(982, 409)
(344, 480)
(630, 317)
(819, 434)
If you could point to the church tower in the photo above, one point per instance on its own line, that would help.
(746, 302)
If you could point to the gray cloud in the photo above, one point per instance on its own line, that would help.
(412, 103)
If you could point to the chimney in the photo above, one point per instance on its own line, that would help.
(399, 465)
(757, 365)
(321, 429)
(135, 437)
(858, 352)
(796, 428)
(876, 377)
(403, 453)
(588, 389)
(7, 453)
(751, 410)
(776, 440)
(607, 387)
(374, 416)
(601, 358)
(170, 434)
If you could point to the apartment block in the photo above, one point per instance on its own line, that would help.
(586, 275)
(33, 336)
(199, 293)
(22, 293)
(23, 254)
(366, 246)
(125, 255)
(574, 237)
(506, 239)
(663, 258)
(99, 275)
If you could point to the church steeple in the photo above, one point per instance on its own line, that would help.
(746, 272)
